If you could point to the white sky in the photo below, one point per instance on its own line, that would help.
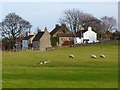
(45, 13)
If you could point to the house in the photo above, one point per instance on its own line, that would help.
(88, 36)
(63, 35)
(41, 40)
(27, 42)
(19, 42)
(65, 39)
(24, 41)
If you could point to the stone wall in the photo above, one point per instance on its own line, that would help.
(63, 39)
(45, 41)
(36, 45)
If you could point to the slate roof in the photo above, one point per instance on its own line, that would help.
(67, 34)
(28, 37)
(38, 36)
(63, 28)
(55, 30)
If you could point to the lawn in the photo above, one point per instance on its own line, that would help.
(20, 69)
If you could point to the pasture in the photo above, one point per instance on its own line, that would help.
(20, 69)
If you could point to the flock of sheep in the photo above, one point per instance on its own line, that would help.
(101, 56)
(92, 56)
(72, 56)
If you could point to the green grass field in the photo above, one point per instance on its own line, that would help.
(20, 69)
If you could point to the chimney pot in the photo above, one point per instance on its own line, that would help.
(89, 28)
(57, 25)
(38, 30)
(45, 28)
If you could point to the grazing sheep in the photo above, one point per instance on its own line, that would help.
(102, 56)
(93, 56)
(71, 56)
(46, 61)
(43, 62)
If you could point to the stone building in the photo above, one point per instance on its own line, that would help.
(27, 42)
(63, 35)
(41, 40)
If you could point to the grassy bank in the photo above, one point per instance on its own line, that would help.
(20, 69)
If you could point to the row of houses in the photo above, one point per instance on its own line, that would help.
(42, 39)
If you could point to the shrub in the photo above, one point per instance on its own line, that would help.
(54, 41)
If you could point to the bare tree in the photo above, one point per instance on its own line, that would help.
(75, 18)
(72, 18)
(12, 26)
(108, 23)
(91, 21)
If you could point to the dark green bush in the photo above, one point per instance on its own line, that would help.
(54, 41)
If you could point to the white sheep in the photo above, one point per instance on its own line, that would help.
(71, 56)
(102, 56)
(43, 62)
(93, 56)
(46, 61)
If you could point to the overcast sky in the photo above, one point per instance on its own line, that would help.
(47, 14)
